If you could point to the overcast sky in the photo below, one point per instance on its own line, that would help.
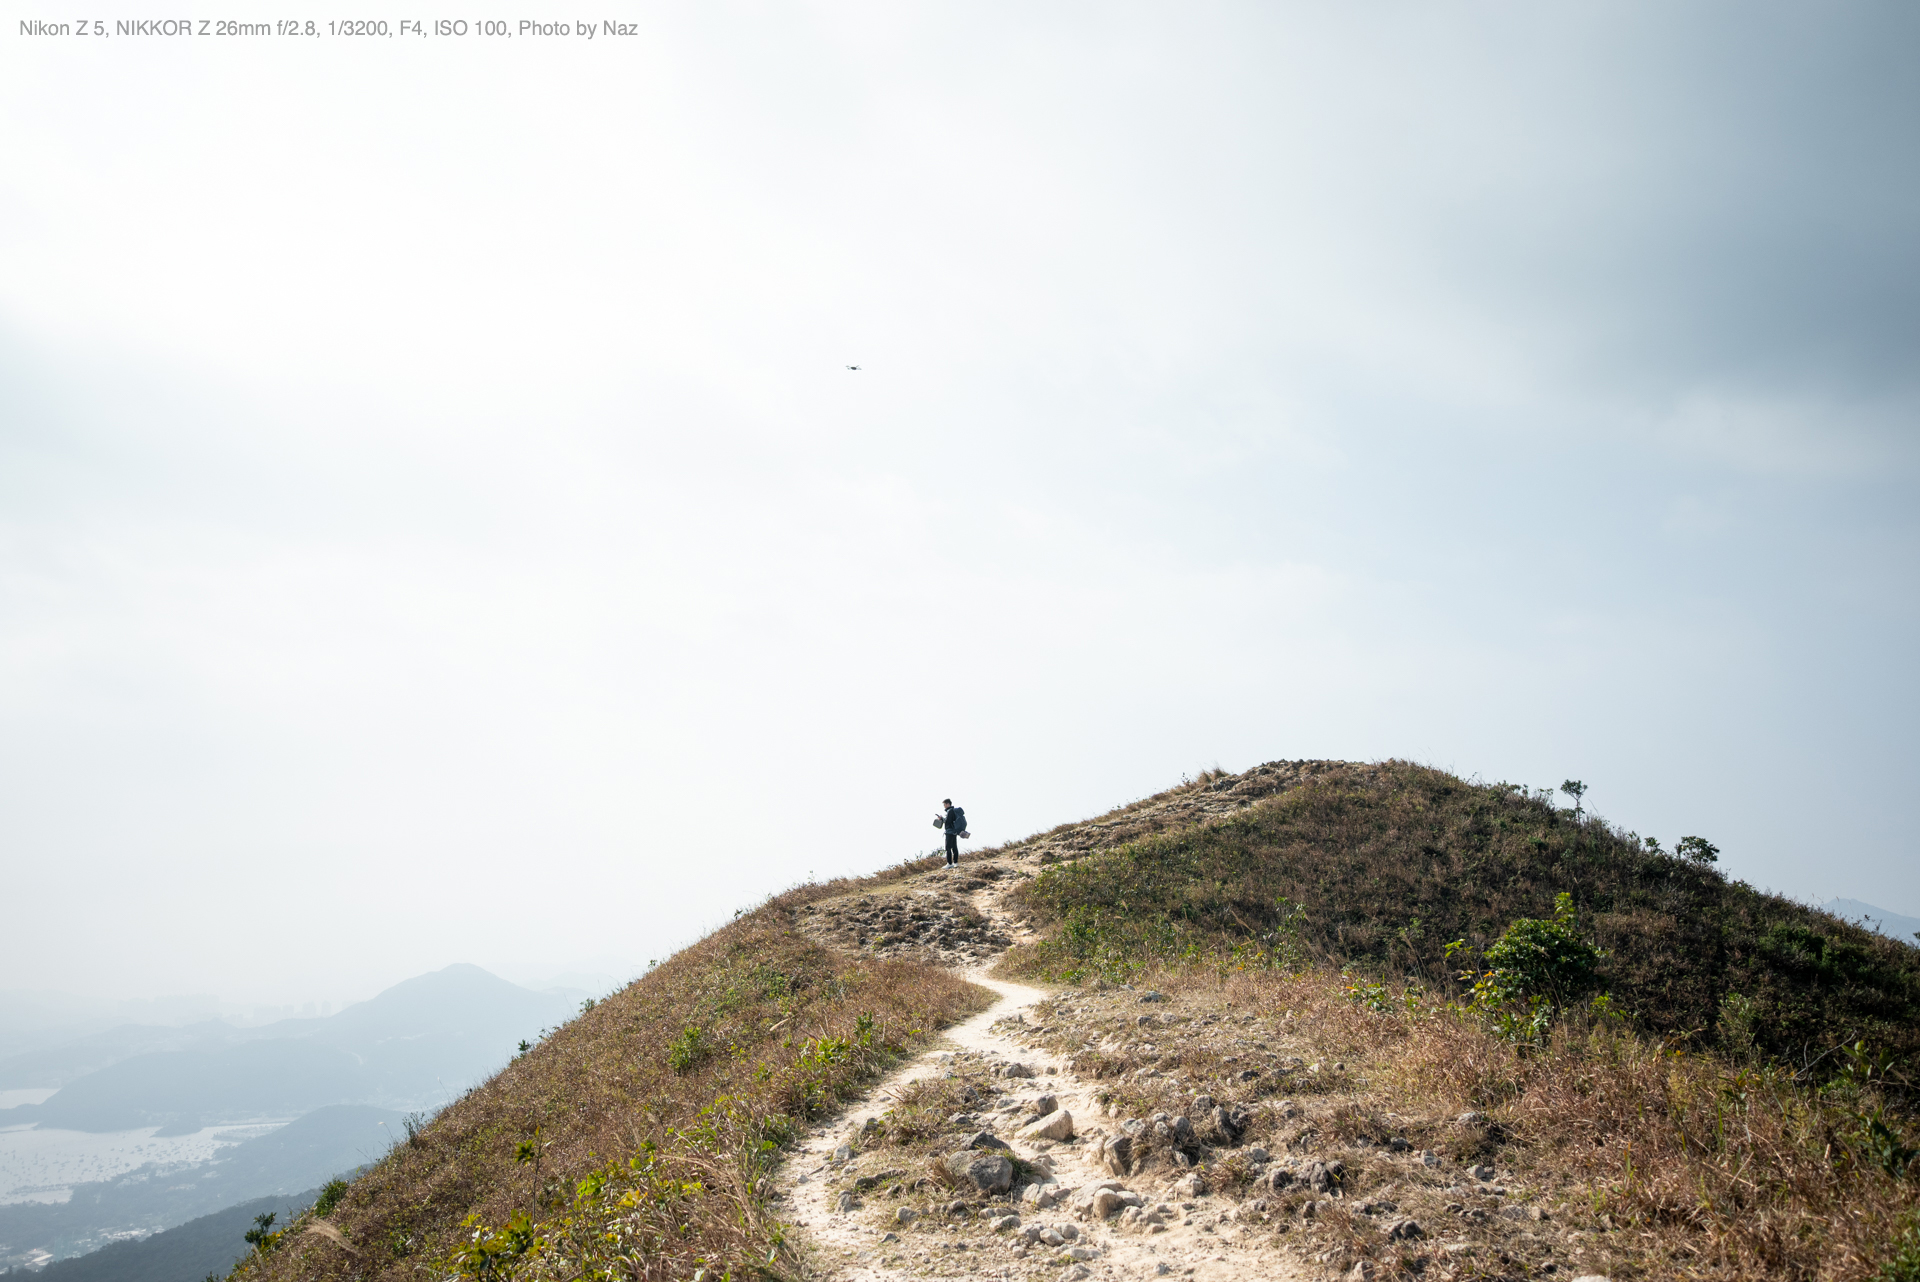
(437, 522)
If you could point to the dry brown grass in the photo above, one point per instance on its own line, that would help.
(625, 1143)
(1659, 1161)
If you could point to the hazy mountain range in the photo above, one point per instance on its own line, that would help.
(1891, 924)
(346, 1079)
(416, 1044)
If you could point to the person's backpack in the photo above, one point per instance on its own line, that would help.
(960, 820)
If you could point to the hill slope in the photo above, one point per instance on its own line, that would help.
(1382, 866)
(1292, 1115)
(637, 1137)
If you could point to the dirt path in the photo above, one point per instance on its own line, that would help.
(859, 1219)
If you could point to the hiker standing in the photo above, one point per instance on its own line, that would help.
(954, 820)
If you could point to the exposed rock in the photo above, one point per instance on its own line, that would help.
(1471, 1119)
(1229, 1123)
(905, 1215)
(1041, 1105)
(989, 1171)
(1042, 1196)
(1115, 1153)
(1194, 1185)
(846, 1202)
(1324, 1177)
(1004, 1224)
(1405, 1231)
(1057, 1125)
(987, 1139)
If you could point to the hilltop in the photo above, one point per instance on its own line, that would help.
(1251, 1057)
(1380, 867)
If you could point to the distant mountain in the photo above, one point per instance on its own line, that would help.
(431, 1036)
(182, 1091)
(325, 1143)
(418, 1043)
(188, 1253)
(1890, 924)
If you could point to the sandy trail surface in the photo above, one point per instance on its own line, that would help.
(853, 1233)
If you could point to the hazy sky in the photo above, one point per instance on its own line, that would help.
(437, 522)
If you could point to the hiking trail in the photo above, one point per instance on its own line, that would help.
(867, 1213)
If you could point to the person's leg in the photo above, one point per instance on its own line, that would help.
(953, 849)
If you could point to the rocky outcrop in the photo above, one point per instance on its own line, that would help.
(984, 1171)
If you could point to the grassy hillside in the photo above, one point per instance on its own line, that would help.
(1730, 1128)
(635, 1139)
(1380, 867)
(1745, 1137)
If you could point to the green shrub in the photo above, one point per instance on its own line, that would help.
(1543, 959)
(329, 1198)
(688, 1050)
(1903, 1265)
(261, 1236)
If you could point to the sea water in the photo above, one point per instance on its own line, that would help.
(41, 1165)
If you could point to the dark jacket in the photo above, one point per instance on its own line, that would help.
(956, 819)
